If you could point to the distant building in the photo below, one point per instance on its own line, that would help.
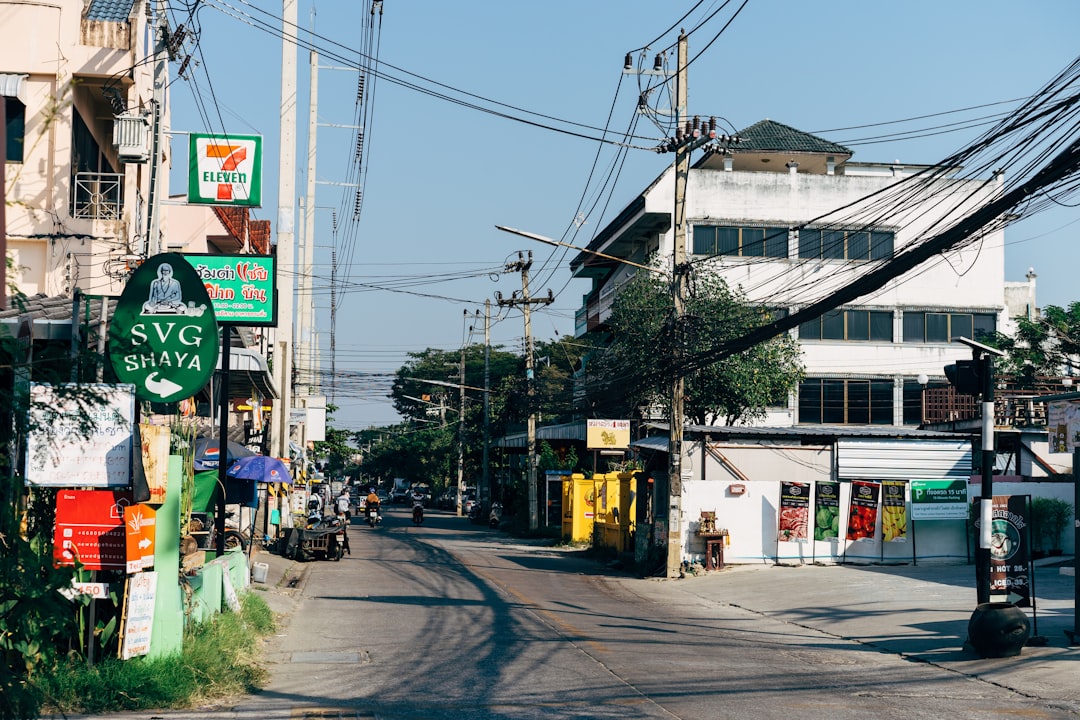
(788, 217)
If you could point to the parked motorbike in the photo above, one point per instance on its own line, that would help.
(495, 516)
(418, 514)
(476, 512)
(373, 517)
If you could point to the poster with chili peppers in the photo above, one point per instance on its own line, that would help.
(827, 510)
(862, 517)
(794, 511)
(893, 511)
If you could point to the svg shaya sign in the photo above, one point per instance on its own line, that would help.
(164, 336)
(225, 170)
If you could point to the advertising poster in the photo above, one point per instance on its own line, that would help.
(241, 287)
(1063, 422)
(139, 614)
(607, 434)
(90, 527)
(827, 510)
(862, 518)
(893, 511)
(1010, 549)
(794, 511)
(140, 526)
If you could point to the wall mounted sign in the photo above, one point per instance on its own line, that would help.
(62, 453)
(241, 287)
(608, 434)
(225, 170)
(939, 500)
(163, 338)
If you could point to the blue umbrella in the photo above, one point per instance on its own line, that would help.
(260, 468)
(208, 452)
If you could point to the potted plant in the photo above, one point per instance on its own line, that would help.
(1049, 518)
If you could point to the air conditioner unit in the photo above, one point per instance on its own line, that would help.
(131, 138)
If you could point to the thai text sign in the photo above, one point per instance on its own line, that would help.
(607, 434)
(939, 500)
(225, 170)
(241, 287)
(90, 528)
(1063, 422)
(862, 516)
(1010, 549)
(827, 510)
(163, 338)
(80, 435)
(140, 525)
(139, 614)
(794, 511)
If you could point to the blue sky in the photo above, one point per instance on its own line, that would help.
(440, 175)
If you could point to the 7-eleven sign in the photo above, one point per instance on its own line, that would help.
(225, 170)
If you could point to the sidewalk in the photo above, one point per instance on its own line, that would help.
(917, 612)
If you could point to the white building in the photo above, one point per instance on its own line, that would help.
(788, 217)
(77, 178)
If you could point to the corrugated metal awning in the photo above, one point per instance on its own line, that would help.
(903, 459)
(12, 85)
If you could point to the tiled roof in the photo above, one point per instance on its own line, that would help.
(44, 307)
(110, 10)
(259, 235)
(771, 136)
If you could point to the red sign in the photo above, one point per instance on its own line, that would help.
(90, 527)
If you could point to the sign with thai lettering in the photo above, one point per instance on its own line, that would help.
(139, 614)
(241, 287)
(80, 435)
(225, 170)
(893, 511)
(1010, 555)
(826, 510)
(939, 500)
(794, 511)
(90, 528)
(862, 515)
(1063, 422)
(607, 434)
(164, 337)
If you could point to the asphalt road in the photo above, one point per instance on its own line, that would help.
(451, 620)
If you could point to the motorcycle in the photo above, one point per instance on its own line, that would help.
(418, 514)
(495, 516)
(373, 517)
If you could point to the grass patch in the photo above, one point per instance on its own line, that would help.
(220, 659)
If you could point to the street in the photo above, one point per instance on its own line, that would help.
(451, 620)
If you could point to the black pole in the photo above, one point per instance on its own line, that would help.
(223, 437)
(986, 520)
(1074, 634)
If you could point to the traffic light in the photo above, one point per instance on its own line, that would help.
(965, 377)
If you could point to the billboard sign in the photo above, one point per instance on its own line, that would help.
(225, 170)
(939, 500)
(607, 434)
(241, 287)
(60, 452)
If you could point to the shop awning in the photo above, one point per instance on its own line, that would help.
(249, 374)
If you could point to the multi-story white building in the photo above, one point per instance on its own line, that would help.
(788, 217)
(76, 79)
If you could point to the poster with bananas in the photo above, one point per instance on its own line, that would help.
(893, 511)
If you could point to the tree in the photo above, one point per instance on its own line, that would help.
(1044, 346)
(636, 369)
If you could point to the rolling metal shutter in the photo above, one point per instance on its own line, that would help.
(902, 459)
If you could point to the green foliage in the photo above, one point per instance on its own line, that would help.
(1040, 347)
(219, 660)
(35, 619)
(636, 370)
(1049, 518)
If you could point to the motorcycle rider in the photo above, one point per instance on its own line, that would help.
(373, 502)
(417, 507)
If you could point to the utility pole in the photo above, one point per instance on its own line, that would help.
(286, 263)
(487, 395)
(678, 291)
(522, 265)
(305, 355)
(461, 430)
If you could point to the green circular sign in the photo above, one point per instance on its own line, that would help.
(164, 337)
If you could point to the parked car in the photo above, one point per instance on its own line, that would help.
(398, 495)
(447, 499)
